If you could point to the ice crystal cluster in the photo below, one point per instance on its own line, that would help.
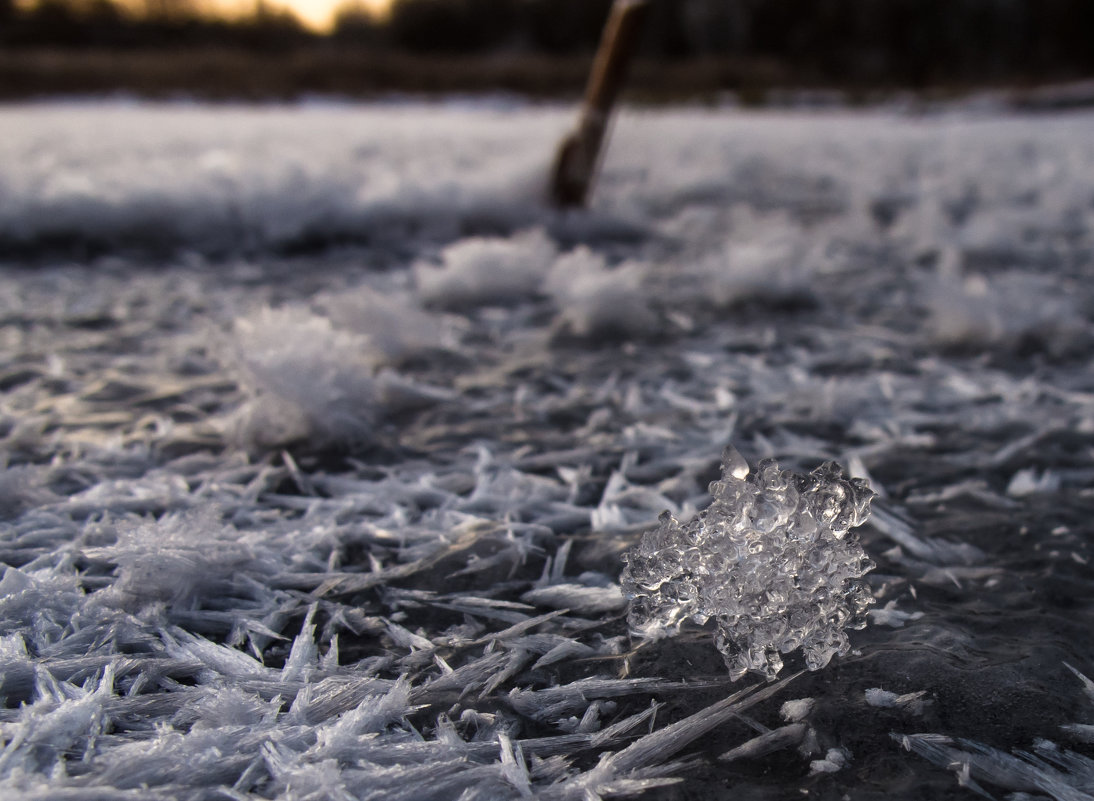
(772, 561)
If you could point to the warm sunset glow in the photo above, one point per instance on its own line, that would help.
(316, 14)
(319, 14)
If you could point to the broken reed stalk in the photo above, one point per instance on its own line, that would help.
(578, 155)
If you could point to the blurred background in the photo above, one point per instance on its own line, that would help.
(752, 50)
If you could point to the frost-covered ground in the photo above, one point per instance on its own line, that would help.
(322, 439)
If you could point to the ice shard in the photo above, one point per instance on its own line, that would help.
(772, 563)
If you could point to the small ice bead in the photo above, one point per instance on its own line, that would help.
(733, 464)
(773, 665)
(686, 592)
(804, 528)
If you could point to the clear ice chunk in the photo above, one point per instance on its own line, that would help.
(772, 562)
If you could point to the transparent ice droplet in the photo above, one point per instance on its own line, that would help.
(733, 464)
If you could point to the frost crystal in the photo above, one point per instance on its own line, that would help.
(771, 561)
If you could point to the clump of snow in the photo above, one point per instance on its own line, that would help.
(1029, 481)
(484, 271)
(174, 562)
(64, 719)
(395, 326)
(979, 311)
(594, 300)
(38, 603)
(889, 615)
(306, 379)
(835, 760)
(764, 258)
(21, 488)
(884, 699)
(771, 561)
(796, 710)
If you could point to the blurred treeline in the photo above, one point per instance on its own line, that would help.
(906, 42)
(86, 24)
(839, 43)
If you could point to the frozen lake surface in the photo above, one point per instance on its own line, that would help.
(322, 438)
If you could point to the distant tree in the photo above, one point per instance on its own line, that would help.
(564, 26)
(107, 24)
(356, 23)
(452, 25)
(271, 28)
(665, 33)
(269, 16)
(54, 22)
(64, 23)
(171, 10)
(714, 26)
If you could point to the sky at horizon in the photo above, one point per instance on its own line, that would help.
(319, 14)
(316, 14)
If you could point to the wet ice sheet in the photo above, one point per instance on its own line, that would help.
(207, 573)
